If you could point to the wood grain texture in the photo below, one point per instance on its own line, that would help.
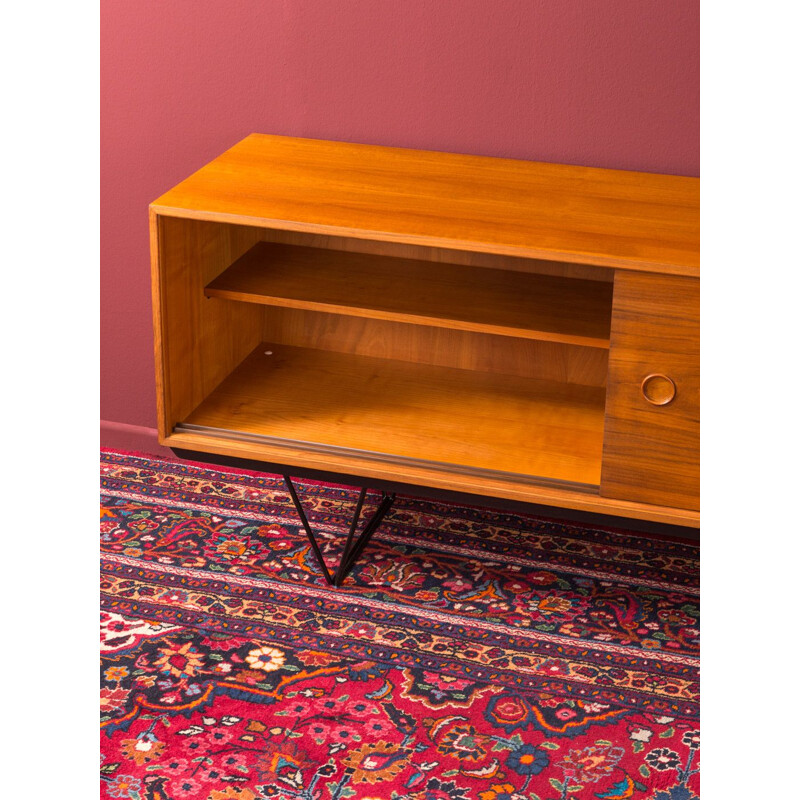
(197, 342)
(526, 358)
(415, 411)
(536, 266)
(528, 490)
(556, 212)
(392, 395)
(450, 296)
(651, 453)
(160, 357)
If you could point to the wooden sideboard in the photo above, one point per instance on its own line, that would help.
(503, 328)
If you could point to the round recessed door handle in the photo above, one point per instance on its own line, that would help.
(658, 389)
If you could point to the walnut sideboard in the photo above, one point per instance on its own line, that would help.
(496, 327)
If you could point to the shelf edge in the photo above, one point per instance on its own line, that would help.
(411, 319)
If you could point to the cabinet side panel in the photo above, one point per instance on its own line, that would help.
(159, 339)
(651, 453)
(199, 342)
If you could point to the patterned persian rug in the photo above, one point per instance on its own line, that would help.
(471, 655)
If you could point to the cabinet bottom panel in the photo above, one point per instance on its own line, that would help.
(461, 419)
(284, 458)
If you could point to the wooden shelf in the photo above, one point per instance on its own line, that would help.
(443, 295)
(381, 408)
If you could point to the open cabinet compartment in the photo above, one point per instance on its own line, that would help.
(454, 368)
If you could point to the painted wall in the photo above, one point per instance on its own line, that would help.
(611, 83)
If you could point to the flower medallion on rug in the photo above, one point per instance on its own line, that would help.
(471, 654)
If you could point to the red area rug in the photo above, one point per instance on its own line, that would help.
(471, 655)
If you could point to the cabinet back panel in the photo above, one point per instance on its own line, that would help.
(442, 347)
(399, 250)
(422, 253)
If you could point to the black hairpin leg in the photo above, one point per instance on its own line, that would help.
(352, 549)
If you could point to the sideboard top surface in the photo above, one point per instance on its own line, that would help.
(613, 218)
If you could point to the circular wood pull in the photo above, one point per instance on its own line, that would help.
(658, 389)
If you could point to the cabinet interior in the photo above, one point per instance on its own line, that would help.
(481, 363)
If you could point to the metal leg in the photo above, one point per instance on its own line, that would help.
(340, 573)
(352, 549)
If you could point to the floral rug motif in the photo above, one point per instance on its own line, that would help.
(471, 655)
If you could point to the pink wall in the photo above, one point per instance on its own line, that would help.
(609, 84)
